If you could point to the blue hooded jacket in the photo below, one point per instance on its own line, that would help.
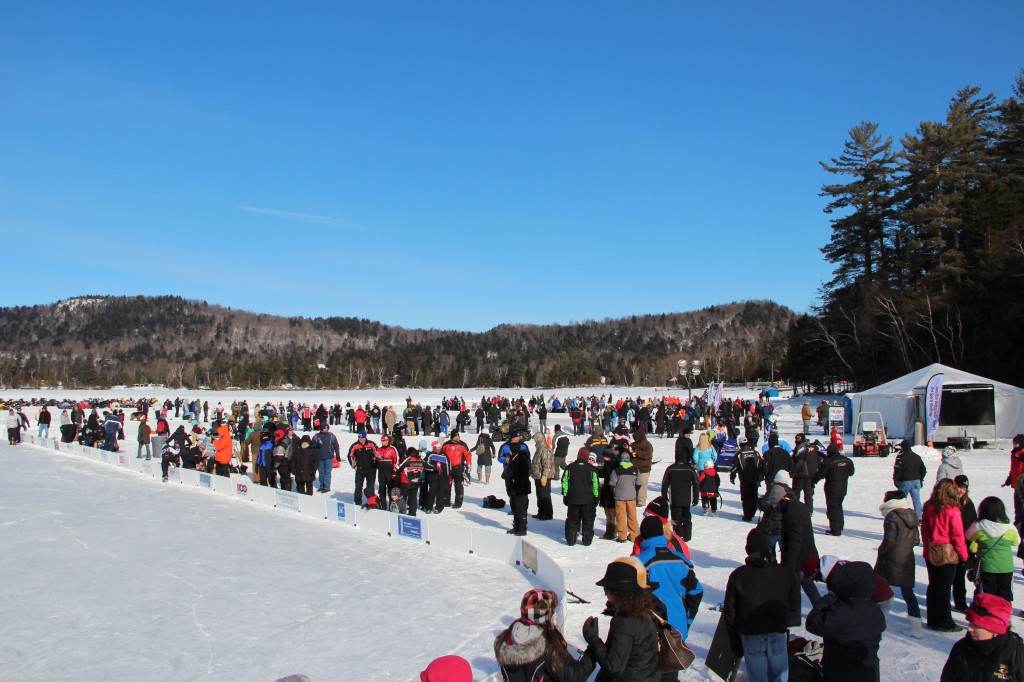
(678, 588)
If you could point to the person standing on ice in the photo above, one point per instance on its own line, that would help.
(747, 465)
(806, 415)
(797, 543)
(895, 562)
(543, 471)
(951, 466)
(13, 427)
(362, 457)
(1012, 479)
(461, 461)
(43, 422)
(643, 460)
(762, 600)
(580, 490)
(328, 450)
(850, 625)
(908, 472)
(517, 480)
(942, 523)
(836, 473)
(305, 465)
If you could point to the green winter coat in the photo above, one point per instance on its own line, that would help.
(994, 543)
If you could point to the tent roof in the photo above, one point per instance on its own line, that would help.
(906, 385)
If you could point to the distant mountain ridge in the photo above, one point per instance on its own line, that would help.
(95, 341)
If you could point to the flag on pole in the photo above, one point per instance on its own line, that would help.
(933, 404)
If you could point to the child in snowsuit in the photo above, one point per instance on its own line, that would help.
(708, 482)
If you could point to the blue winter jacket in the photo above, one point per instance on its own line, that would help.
(678, 588)
(702, 457)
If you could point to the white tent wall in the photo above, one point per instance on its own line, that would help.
(896, 401)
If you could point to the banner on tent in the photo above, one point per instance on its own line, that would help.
(933, 404)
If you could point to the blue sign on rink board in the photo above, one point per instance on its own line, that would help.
(410, 527)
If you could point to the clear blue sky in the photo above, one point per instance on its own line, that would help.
(454, 164)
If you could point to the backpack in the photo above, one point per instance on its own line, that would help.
(492, 502)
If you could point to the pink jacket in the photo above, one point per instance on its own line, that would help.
(943, 526)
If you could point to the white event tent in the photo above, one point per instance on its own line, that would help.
(901, 401)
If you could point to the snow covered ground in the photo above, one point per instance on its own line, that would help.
(106, 574)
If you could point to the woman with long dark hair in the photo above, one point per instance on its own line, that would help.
(532, 648)
(630, 651)
(941, 523)
(993, 540)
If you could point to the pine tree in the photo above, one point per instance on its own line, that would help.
(858, 243)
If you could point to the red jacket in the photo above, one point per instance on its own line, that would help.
(944, 526)
(456, 453)
(222, 442)
(1016, 465)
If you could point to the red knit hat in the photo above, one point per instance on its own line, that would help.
(990, 612)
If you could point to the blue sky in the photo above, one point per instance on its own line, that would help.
(454, 164)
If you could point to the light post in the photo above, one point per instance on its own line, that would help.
(690, 371)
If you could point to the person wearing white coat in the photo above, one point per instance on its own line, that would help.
(951, 466)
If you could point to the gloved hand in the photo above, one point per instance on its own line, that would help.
(543, 481)
(590, 631)
(1006, 483)
(732, 479)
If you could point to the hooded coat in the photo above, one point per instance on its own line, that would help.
(902, 533)
(950, 468)
(850, 624)
(643, 453)
(526, 655)
(994, 543)
(797, 536)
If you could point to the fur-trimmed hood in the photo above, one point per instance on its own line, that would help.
(520, 645)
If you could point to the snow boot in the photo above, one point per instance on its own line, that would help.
(570, 539)
(914, 629)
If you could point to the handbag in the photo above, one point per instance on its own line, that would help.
(673, 654)
(942, 554)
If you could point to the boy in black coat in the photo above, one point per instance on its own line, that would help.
(836, 473)
(762, 599)
(580, 490)
(679, 486)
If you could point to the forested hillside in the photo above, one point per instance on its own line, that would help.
(927, 241)
(101, 341)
